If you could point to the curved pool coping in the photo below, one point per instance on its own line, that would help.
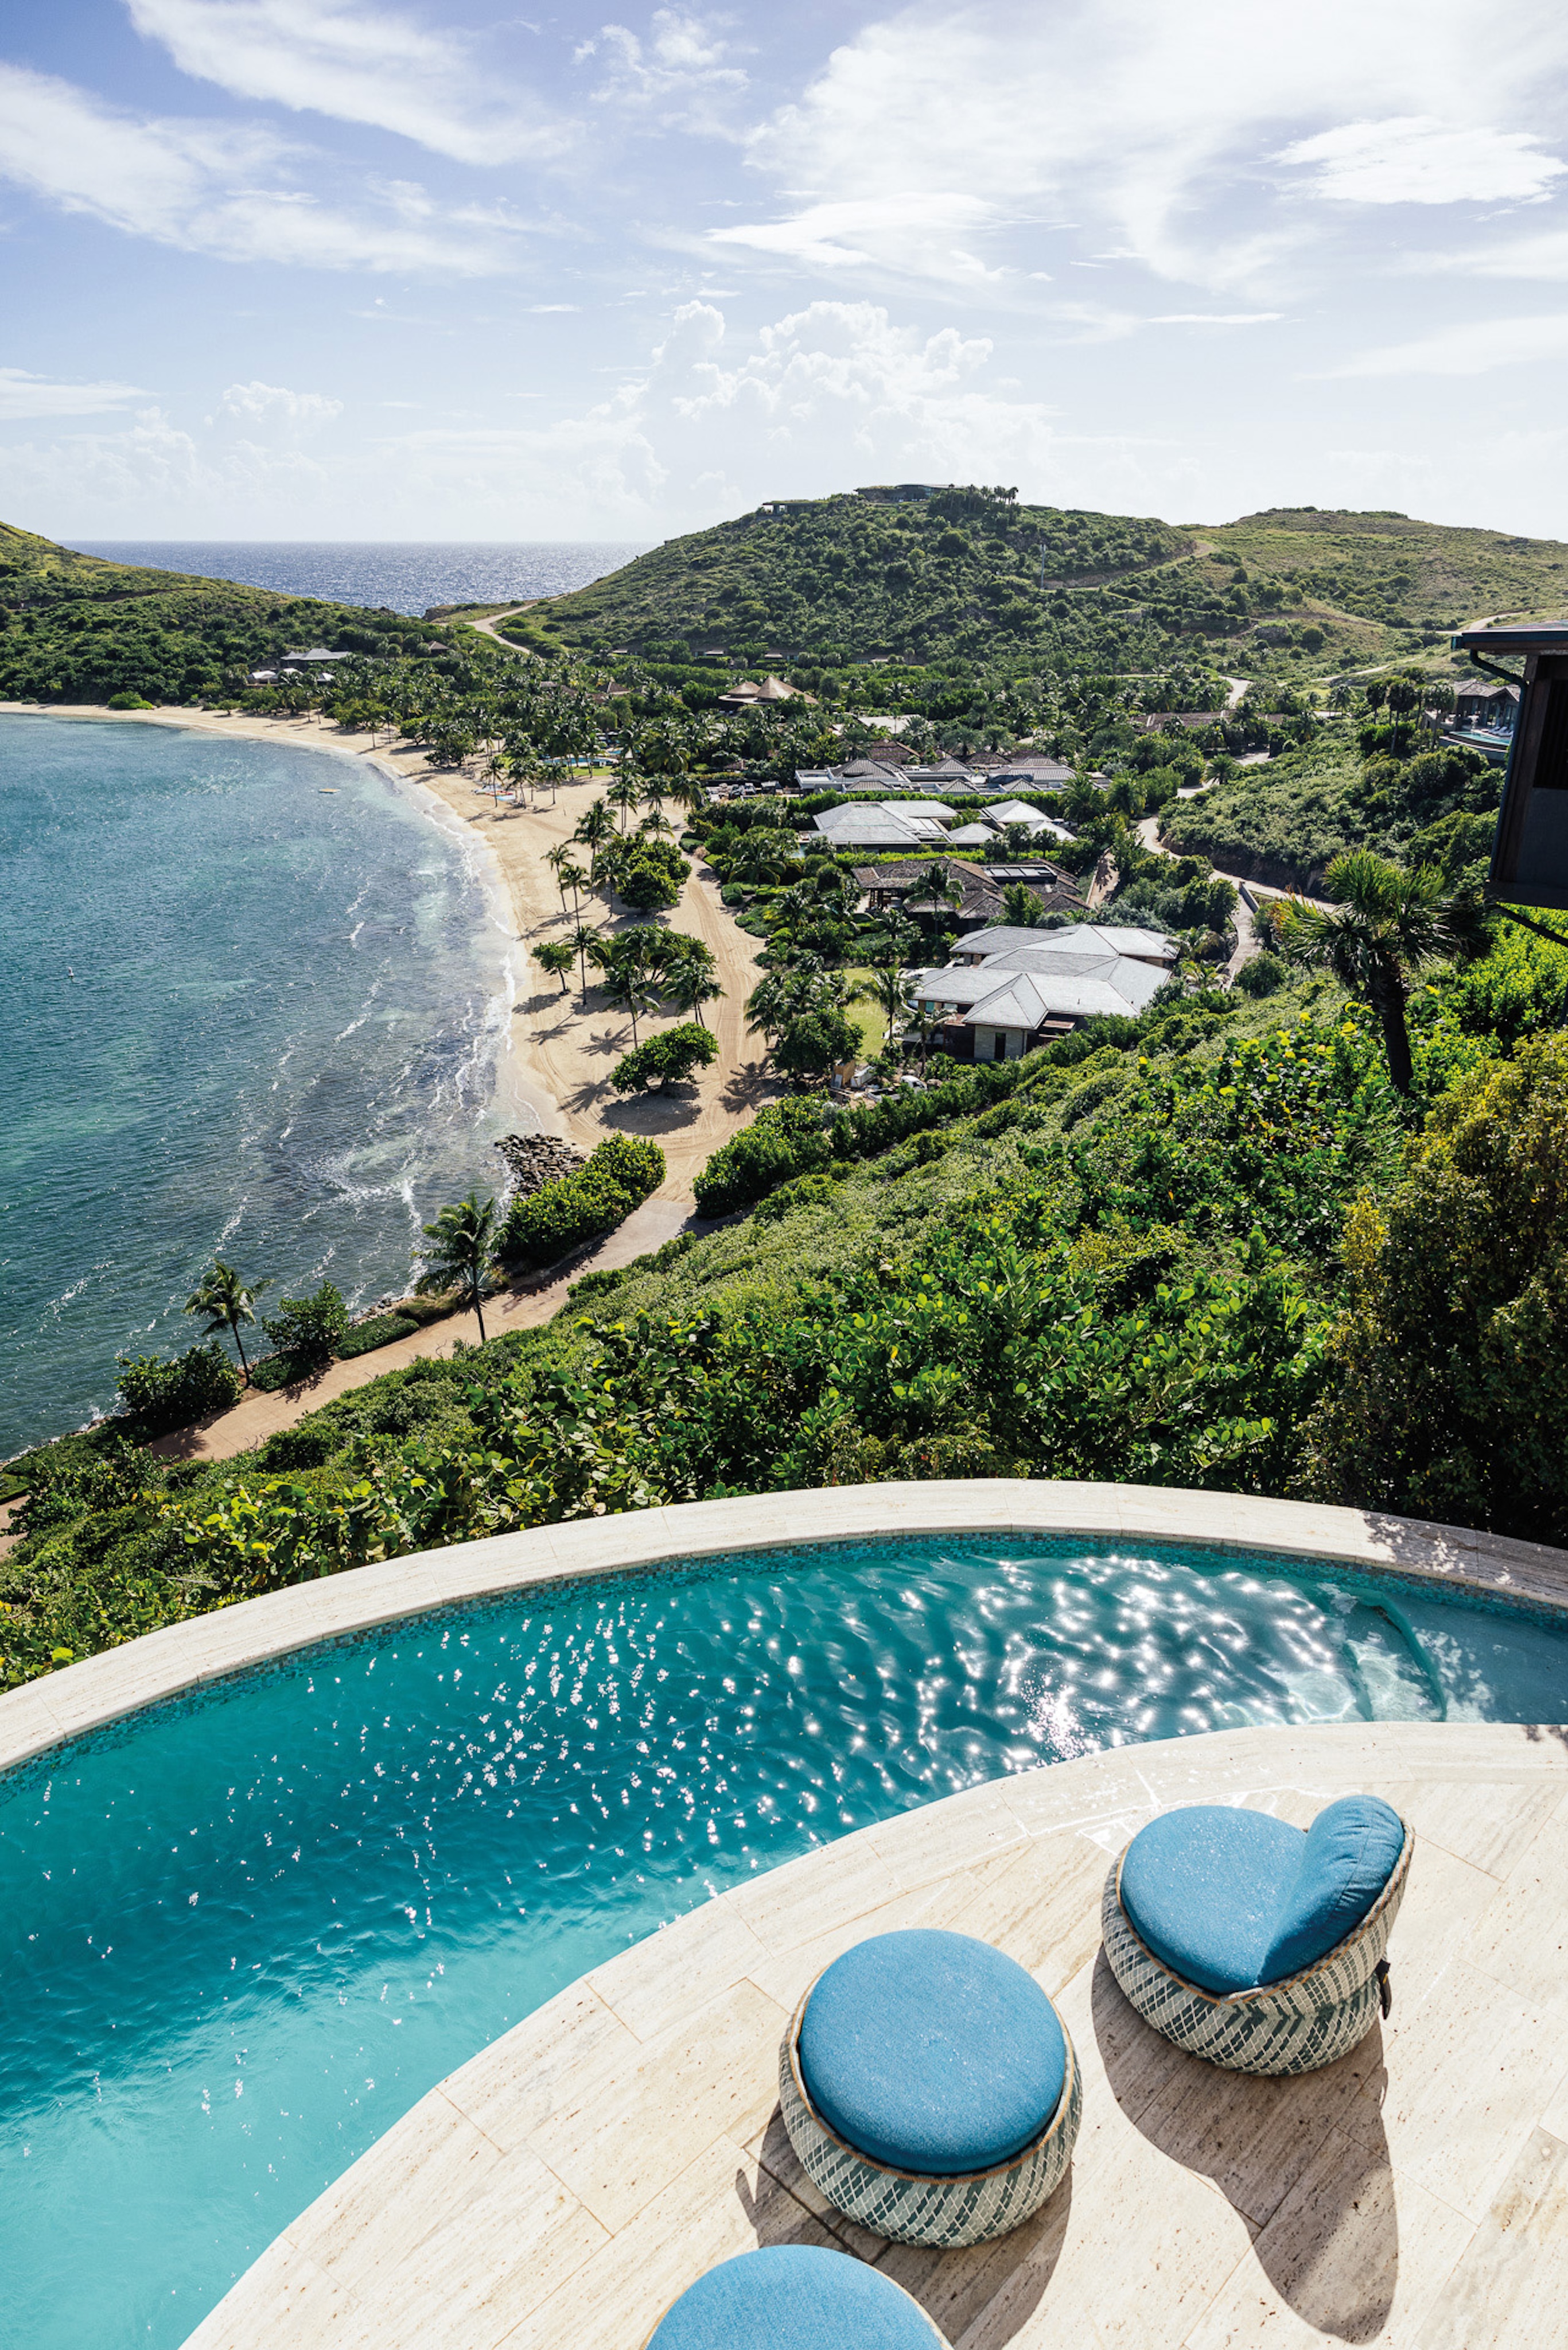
(82, 1697)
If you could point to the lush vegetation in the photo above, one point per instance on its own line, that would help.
(621, 1172)
(73, 628)
(1212, 1246)
(959, 576)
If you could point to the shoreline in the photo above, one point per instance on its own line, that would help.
(515, 1086)
(552, 1069)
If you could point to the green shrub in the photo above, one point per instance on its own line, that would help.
(158, 1396)
(549, 1222)
(669, 1058)
(786, 1138)
(1262, 974)
(310, 1330)
(129, 702)
(363, 1337)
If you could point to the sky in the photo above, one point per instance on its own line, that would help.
(341, 269)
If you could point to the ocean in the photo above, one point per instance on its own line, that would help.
(398, 576)
(257, 1003)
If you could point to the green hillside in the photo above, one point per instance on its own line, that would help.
(958, 576)
(1208, 1247)
(76, 629)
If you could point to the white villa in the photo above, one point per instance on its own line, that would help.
(1008, 991)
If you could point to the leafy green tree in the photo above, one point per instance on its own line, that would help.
(460, 1252)
(227, 1302)
(814, 1043)
(1384, 926)
(308, 1330)
(1021, 908)
(556, 956)
(668, 1059)
(1452, 1401)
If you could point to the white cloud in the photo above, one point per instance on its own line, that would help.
(1416, 159)
(359, 63)
(24, 395)
(1151, 121)
(1468, 347)
(681, 69)
(271, 404)
(911, 232)
(1544, 257)
(227, 189)
(1217, 319)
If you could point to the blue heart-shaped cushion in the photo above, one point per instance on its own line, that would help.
(1233, 1899)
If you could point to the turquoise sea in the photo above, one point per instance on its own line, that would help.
(256, 999)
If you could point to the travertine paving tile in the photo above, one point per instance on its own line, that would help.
(1490, 1823)
(1510, 2288)
(1522, 1938)
(723, 2203)
(622, 2143)
(811, 1896)
(284, 2297)
(426, 2171)
(930, 1842)
(520, 2080)
(770, 2146)
(1469, 2073)
(1040, 1903)
(1354, 2254)
(473, 2282)
(657, 1981)
(788, 1976)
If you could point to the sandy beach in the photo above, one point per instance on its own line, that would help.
(562, 1051)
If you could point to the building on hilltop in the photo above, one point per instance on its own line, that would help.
(1485, 706)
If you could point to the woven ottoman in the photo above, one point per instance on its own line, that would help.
(1252, 1944)
(929, 2088)
(793, 2297)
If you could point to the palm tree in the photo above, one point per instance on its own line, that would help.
(596, 826)
(582, 941)
(625, 793)
(556, 956)
(559, 859)
(886, 987)
(629, 991)
(1385, 925)
(460, 1250)
(691, 985)
(936, 887)
(226, 1302)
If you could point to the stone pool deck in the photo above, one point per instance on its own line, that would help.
(562, 2187)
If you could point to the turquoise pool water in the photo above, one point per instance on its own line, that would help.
(243, 1932)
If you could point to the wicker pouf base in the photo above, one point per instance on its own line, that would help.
(916, 2209)
(1295, 2026)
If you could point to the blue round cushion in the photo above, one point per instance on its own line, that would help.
(932, 2053)
(1231, 1899)
(793, 2297)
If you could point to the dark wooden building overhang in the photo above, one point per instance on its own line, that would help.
(1530, 851)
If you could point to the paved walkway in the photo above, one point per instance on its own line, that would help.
(564, 2186)
(258, 1416)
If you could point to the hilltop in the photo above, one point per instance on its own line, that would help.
(971, 575)
(73, 628)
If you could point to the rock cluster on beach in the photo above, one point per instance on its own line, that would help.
(536, 1160)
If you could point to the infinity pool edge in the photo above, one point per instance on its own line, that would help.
(102, 1688)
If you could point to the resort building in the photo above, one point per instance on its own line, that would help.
(1034, 985)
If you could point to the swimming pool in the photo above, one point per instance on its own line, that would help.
(245, 1929)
